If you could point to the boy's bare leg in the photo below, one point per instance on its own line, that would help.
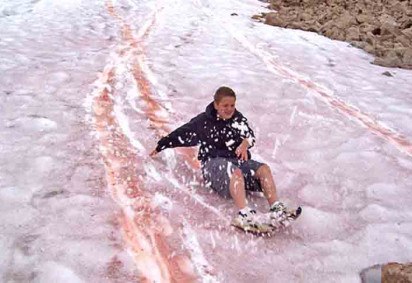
(237, 189)
(264, 175)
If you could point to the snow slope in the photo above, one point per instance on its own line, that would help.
(87, 90)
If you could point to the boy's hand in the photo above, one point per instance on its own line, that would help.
(153, 153)
(241, 150)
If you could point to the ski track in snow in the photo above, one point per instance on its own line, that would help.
(147, 243)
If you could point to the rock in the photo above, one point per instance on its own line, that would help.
(388, 27)
(275, 6)
(399, 50)
(391, 59)
(388, 74)
(353, 34)
(376, 26)
(397, 273)
(406, 22)
(305, 16)
(369, 48)
(362, 18)
(369, 38)
(345, 20)
(408, 33)
(273, 19)
(407, 58)
(359, 44)
(313, 26)
(335, 33)
(404, 41)
(258, 17)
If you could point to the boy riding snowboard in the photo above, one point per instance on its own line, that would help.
(225, 138)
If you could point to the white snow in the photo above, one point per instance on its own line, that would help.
(335, 132)
(242, 127)
(229, 142)
(54, 272)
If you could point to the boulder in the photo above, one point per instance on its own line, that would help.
(390, 59)
(376, 26)
(397, 273)
(353, 34)
(369, 48)
(404, 41)
(362, 18)
(407, 58)
(389, 27)
(408, 33)
(345, 20)
(273, 19)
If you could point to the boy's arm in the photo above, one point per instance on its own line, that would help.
(248, 135)
(248, 140)
(184, 136)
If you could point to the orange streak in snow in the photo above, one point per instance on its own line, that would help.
(397, 139)
(144, 231)
(152, 106)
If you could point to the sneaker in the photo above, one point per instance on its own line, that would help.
(278, 214)
(246, 219)
(250, 222)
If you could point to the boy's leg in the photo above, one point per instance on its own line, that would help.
(264, 175)
(237, 188)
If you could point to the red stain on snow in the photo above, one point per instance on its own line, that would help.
(144, 231)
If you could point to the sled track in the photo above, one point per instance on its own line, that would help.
(145, 230)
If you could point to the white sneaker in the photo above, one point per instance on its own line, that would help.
(279, 215)
(246, 220)
(250, 222)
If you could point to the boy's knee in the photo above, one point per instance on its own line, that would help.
(264, 169)
(237, 173)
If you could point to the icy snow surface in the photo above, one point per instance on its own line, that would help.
(88, 87)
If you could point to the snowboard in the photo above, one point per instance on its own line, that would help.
(267, 227)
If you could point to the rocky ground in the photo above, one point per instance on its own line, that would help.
(381, 27)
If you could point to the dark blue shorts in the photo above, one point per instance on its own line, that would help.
(217, 172)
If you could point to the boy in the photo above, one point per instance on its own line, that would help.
(225, 137)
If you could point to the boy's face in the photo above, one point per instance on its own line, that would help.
(225, 107)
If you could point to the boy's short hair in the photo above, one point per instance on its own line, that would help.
(223, 91)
